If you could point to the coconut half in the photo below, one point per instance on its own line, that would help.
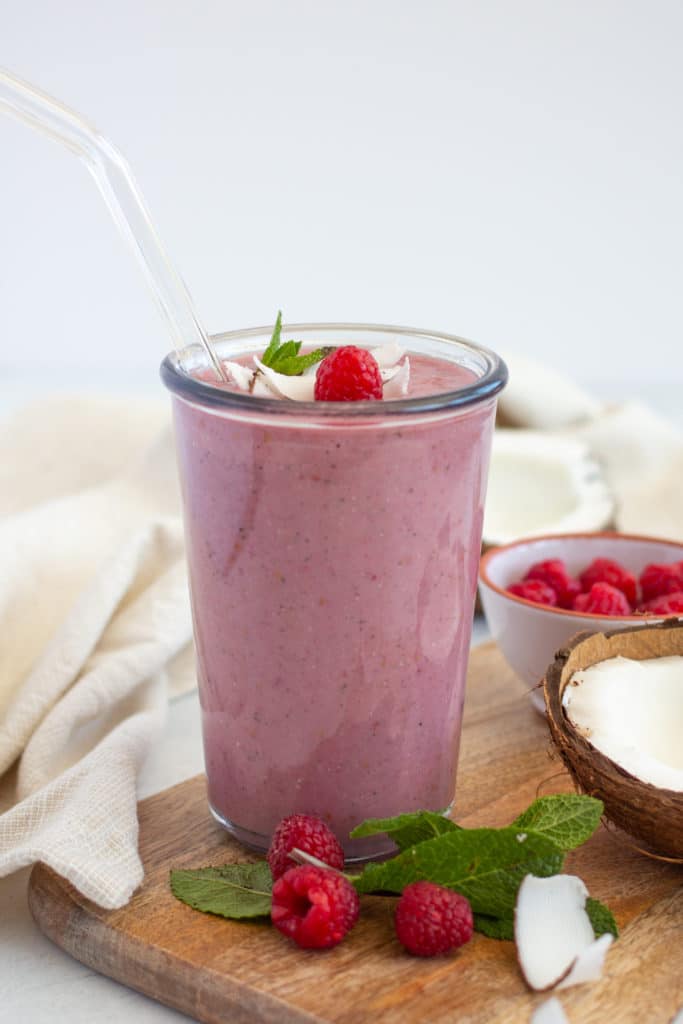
(556, 945)
(540, 484)
(542, 398)
(619, 729)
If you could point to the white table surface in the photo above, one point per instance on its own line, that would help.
(39, 984)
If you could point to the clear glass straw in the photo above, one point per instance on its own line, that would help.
(123, 198)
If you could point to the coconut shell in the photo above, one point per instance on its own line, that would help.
(655, 816)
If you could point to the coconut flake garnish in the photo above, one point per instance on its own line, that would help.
(240, 375)
(266, 382)
(589, 963)
(549, 1012)
(388, 355)
(298, 389)
(396, 380)
(556, 945)
(259, 387)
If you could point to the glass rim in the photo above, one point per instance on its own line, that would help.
(492, 381)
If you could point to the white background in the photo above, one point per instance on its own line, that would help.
(508, 171)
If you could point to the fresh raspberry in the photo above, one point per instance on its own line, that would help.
(554, 572)
(308, 834)
(667, 604)
(659, 580)
(314, 907)
(348, 374)
(603, 599)
(432, 920)
(606, 570)
(534, 590)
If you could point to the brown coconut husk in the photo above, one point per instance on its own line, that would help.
(653, 815)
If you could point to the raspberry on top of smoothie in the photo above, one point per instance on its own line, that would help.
(348, 374)
(335, 374)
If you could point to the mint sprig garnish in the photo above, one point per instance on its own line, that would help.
(274, 343)
(495, 927)
(569, 820)
(486, 865)
(407, 829)
(283, 357)
(232, 890)
(534, 844)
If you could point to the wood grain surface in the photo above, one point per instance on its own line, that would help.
(247, 973)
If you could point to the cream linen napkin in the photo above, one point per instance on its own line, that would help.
(641, 452)
(94, 615)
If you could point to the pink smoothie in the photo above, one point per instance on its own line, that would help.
(333, 570)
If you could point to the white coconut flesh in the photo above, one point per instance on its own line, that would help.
(549, 1012)
(556, 945)
(632, 712)
(298, 389)
(540, 484)
(539, 397)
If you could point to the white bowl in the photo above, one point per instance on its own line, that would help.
(529, 634)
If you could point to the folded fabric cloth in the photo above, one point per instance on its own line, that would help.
(93, 614)
(641, 452)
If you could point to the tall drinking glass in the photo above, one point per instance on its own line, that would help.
(332, 552)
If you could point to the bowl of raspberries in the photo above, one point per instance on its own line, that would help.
(538, 593)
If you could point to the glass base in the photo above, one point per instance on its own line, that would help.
(356, 851)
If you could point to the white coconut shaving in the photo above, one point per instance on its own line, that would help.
(556, 945)
(549, 1012)
(240, 375)
(263, 381)
(396, 380)
(589, 963)
(298, 389)
(247, 379)
(388, 355)
(632, 711)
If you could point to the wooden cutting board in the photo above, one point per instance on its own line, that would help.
(247, 973)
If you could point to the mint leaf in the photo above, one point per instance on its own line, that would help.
(284, 357)
(274, 343)
(233, 890)
(407, 829)
(288, 350)
(567, 819)
(295, 365)
(494, 927)
(601, 917)
(486, 865)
